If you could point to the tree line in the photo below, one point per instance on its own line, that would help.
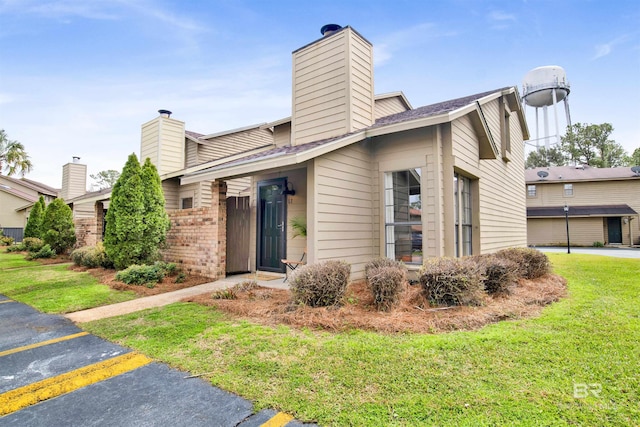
(585, 144)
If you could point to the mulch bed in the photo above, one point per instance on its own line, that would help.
(108, 277)
(412, 314)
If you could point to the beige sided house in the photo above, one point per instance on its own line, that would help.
(603, 205)
(371, 175)
(17, 197)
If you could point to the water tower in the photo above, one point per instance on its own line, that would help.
(543, 87)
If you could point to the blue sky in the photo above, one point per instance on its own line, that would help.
(79, 77)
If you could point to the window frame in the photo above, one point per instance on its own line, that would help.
(531, 193)
(463, 240)
(183, 200)
(391, 209)
(567, 190)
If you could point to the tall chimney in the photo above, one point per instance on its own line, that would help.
(162, 141)
(74, 179)
(332, 86)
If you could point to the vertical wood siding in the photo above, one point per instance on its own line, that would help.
(553, 231)
(74, 180)
(412, 149)
(585, 193)
(388, 106)
(171, 146)
(171, 190)
(332, 87)
(501, 219)
(343, 208)
(282, 134)
(163, 143)
(191, 153)
(226, 145)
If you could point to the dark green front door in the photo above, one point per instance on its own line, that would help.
(272, 214)
(614, 226)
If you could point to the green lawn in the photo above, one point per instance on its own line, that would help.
(576, 364)
(14, 260)
(53, 288)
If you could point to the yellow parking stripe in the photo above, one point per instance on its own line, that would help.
(278, 420)
(42, 343)
(6, 300)
(31, 394)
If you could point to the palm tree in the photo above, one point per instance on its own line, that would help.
(13, 156)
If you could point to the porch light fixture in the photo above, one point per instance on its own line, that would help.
(566, 220)
(289, 191)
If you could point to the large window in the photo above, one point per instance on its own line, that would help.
(403, 215)
(463, 215)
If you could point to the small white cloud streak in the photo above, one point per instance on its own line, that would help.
(604, 49)
(405, 39)
(500, 20)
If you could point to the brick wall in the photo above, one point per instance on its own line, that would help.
(197, 238)
(86, 232)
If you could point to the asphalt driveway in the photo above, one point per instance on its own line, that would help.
(613, 252)
(54, 374)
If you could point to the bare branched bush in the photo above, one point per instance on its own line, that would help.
(500, 275)
(452, 281)
(320, 285)
(385, 278)
(380, 262)
(531, 262)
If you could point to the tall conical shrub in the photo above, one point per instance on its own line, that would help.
(124, 234)
(57, 229)
(156, 220)
(34, 223)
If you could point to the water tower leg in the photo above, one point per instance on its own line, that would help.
(555, 113)
(566, 110)
(537, 130)
(546, 127)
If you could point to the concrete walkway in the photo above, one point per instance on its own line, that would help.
(169, 298)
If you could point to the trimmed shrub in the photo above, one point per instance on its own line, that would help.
(58, 222)
(169, 268)
(380, 262)
(500, 274)
(180, 278)
(141, 275)
(385, 278)
(32, 244)
(320, 285)
(6, 241)
(598, 245)
(531, 262)
(44, 252)
(17, 248)
(452, 281)
(34, 223)
(91, 256)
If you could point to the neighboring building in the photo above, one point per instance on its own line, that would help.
(371, 175)
(17, 197)
(603, 205)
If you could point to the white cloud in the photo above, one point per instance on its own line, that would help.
(604, 49)
(500, 20)
(407, 39)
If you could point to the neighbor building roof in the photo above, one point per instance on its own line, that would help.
(582, 211)
(577, 173)
(33, 185)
